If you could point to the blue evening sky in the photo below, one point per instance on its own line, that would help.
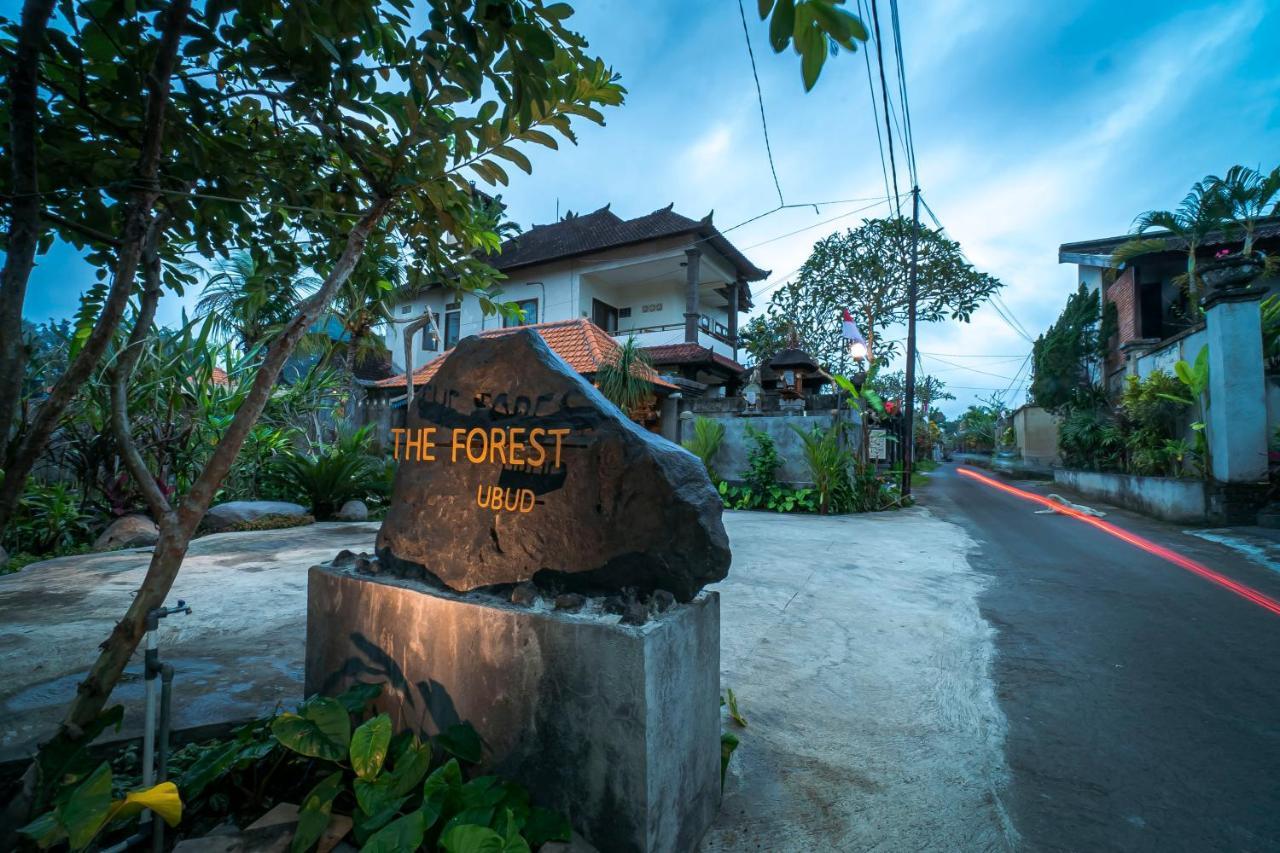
(1035, 124)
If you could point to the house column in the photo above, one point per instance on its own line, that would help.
(734, 291)
(692, 280)
(1237, 416)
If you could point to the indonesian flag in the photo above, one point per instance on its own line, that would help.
(851, 332)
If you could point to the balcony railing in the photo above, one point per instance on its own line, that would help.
(710, 327)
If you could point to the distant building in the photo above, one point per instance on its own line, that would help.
(1155, 325)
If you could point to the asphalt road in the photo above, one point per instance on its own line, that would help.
(1143, 702)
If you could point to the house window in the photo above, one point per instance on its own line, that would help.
(405, 309)
(452, 325)
(528, 310)
(429, 342)
(604, 315)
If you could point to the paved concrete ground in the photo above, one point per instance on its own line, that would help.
(855, 646)
(1143, 701)
(239, 653)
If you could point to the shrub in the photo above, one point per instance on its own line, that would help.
(325, 480)
(49, 518)
(829, 464)
(705, 441)
(762, 461)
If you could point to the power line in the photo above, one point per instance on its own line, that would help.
(884, 96)
(844, 215)
(902, 89)
(871, 90)
(760, 98)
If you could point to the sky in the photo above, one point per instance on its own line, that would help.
(1035, 124)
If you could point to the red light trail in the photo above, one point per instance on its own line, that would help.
(1147, 545)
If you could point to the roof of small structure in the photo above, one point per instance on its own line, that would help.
(581, 343)
(688, 353)
(792, 358)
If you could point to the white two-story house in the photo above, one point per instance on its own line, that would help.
(675, 283)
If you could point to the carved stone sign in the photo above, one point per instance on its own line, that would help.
(512, 467)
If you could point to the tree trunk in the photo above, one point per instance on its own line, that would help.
(177, 528)
(24, 216)
(23, 455)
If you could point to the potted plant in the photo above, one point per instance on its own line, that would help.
(1247, 195)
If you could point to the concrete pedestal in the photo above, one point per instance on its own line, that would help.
(616, 726)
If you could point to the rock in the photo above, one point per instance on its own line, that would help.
(250, 515)
(524, 594)
(663, 601)
(367, 565)
(130, 531)
(344, 557)
(635, 613)
(353, 511)
(514, 467)
(570, 602)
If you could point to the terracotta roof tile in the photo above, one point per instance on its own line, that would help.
(581, 343)
(690, 354)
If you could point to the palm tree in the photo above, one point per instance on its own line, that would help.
(245, 299)
(1250, 195)
(626, 379)
(363, 305)
(1204, 211)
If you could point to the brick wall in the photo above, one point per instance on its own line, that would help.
(1123, 292)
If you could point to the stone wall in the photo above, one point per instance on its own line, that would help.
(1037, 433)
(1180, 500)
(731, 461)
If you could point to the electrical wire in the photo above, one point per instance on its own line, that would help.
(884, 92)
(764, 124)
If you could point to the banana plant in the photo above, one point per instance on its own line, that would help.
(1194, 376)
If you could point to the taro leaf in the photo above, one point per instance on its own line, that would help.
(211, 764)
(369, 744)
(442, 791)
(62, 758)
(374, 795)
(728, 743)
(403, 833)
(483, 792)
(409, 767)
(323, 730)
(315, 812)
(367, 823)
(479, 817)
(545, 825)
(470, 838)
(44, 830)
(358, 696)
(86, 810)
(461, 740)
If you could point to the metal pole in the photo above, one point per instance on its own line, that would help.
(908, 453)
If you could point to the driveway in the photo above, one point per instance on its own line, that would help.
(855, 646)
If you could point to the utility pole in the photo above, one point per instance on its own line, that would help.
(908, 452)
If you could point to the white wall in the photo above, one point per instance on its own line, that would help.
(564, 291)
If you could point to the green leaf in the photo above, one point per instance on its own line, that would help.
(88, 807)
(211, 764)
(483, 792)
(369, 744)
(734, 713)
(314, 815)
(470, 838)
(404, 833)
(811, 61)
(764, 6)
(728, 743)
(357, 697)
(322, 730)
(461, 740)
(409, 767)
(44, 830)
(545, 825)
(782, 25)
